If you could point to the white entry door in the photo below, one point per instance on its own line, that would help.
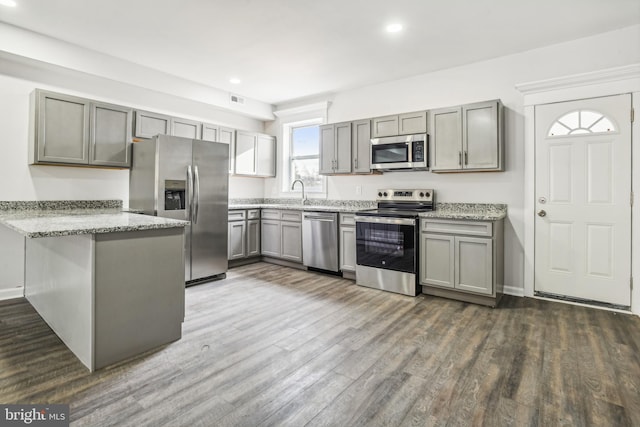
(583, 207)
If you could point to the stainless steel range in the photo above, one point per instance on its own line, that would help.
(387, 240)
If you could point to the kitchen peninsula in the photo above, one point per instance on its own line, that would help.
(109, 283)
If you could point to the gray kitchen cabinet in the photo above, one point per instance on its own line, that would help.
(384, 126)
(253, 237)
(446, 139)
(474, 259)
(270, 237)
(412, 123)
(110, 135)
(291, 234)
(266, 156)
(244, 233)
(60, 128)
(400, 124)
(246, 152)
(186, 128)
(281, 234)
(462, 260)
(335, 148)
(437, 263)
(71, 130)
(210, 132)
(347, 243)
(255, 154)
(361, 146)
(150, 124)
(217, 133)
(228, 136)
(327, 149)
(237, 239)
(467, 138)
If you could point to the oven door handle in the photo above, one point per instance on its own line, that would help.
(385, 220)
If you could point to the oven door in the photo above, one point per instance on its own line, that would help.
(386, 243)
(390, 155)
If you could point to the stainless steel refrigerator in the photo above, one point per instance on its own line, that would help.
(186, 179)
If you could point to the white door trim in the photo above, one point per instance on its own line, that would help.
(611, 81)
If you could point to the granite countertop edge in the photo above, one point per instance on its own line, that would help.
(46, 223)
(307, 208)
(462, 211)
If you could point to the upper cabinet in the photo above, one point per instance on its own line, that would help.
(150, 124)
(467, 138)
(210, 132)
(185, 128)
(222, 134)
(110, 135)
(266, 155)
(361, 146)
(71, 130)
(401, 124)
(335, 148)
(255, 154)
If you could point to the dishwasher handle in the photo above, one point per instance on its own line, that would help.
(319, 218)
(325, 218)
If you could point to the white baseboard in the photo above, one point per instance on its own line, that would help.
(512, 290)
(11, 293)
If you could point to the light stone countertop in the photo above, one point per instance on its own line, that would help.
(470, 211)
(298, 207)
(35, 222)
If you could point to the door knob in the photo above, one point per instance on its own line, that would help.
(542, 213)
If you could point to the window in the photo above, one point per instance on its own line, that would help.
(304, 158)
(581, 122)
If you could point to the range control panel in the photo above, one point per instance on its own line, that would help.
(405, 195)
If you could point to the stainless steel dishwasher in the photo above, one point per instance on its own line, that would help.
(320, 240)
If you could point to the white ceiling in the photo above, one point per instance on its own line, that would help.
(288, 49)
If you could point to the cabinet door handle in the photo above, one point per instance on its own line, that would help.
(356, 163)
(460, 158)
(466, 157)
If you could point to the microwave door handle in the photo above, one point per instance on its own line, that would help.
(409, 152)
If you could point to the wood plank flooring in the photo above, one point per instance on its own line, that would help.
(274, 346)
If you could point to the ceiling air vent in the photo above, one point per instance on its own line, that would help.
(235, 99)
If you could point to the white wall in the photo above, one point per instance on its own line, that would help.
(481, 81)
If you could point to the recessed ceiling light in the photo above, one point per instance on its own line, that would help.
(9, 3)
(233, 81)
(394, 28)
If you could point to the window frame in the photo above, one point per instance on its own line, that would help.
(289, 158)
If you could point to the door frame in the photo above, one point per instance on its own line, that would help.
(611, 81)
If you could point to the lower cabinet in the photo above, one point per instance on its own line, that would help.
(281, 234)
(244, 234)
(253, 237)
(237, 237)
(347, 242)
(462, 260)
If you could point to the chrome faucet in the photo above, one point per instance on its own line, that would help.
(301, 183)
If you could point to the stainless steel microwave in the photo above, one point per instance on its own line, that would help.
(406, 152)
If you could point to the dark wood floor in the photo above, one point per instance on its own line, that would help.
(273, 346)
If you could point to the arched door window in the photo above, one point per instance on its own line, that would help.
(581, 122)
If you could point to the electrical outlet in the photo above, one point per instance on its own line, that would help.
(358, 190)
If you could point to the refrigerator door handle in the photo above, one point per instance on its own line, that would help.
(189, 193)
(196, 194)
